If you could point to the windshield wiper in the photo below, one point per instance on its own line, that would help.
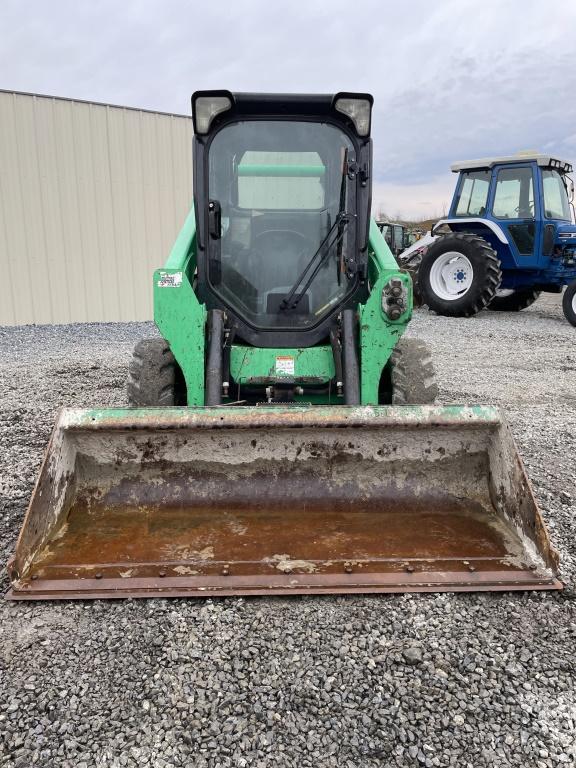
(291, 300)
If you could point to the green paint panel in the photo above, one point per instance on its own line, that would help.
(178, 314)
(254, 363)
(181, 320)
(381, 257)
(378, 334)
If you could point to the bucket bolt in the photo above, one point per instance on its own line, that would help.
(348, 568)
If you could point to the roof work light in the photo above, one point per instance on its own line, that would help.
(358, 110)
(207, 107)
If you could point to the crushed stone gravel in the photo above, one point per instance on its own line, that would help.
(467, 680)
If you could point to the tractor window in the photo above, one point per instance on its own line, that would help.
(514, 196)
(398, 239)
(556, 205)
(473, 193)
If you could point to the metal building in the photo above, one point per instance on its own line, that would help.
(91, 199)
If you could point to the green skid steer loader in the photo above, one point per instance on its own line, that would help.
(282, 437)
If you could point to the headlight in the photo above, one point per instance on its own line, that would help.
(358, 110)
(206, 107)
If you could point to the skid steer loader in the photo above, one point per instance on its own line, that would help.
(282, 437)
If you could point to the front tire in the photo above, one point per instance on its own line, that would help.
(409, 375)
(514, 300)
(569, 303)
(155, 378)
(459, 275)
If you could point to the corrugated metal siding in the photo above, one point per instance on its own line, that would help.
(91, 200)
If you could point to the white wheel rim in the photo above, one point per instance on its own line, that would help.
(451, 276)
(574, 303)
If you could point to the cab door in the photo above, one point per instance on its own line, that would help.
(514, 207)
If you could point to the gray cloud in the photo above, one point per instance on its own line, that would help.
(451, 79)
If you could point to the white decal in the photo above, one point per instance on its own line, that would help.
(170, 280)
(285, 365)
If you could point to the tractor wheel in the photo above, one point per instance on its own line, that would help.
(513, 300)
(569, 303)
(412, 265)
(411, 374)
(155, 377)
(459, 275)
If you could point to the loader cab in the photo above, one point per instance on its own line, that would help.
(519, 204)
(282, 200)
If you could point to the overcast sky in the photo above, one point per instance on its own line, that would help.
(452, 79)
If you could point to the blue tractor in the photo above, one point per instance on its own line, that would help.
(510, 235)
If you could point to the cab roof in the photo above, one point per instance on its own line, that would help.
(546, 161)
(287, 105)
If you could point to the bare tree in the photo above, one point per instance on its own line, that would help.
(382, 215)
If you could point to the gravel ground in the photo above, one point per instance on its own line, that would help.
(467, 680)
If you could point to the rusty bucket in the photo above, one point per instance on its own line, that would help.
(300, 500)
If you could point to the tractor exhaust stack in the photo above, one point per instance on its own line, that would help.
(258, 501)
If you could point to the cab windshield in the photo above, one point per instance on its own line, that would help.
(282, 192)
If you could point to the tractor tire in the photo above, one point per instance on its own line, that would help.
(412, 265)
(459, 275)
(569, 303)
(513, 300)
(412, 374)
(155, 378)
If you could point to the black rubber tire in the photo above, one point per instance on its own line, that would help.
(487, 274)
(155, 378)
(567, 303)
(412, 374)
(412, 265)
(515, 301)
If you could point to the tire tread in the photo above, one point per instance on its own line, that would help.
(412, 373)
(152, 375)
(515, 302)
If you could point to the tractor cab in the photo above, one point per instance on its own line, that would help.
(394, 234)
(282, 204)
(510, 235)
(523, 202)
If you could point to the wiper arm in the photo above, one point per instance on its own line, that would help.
(291, 301)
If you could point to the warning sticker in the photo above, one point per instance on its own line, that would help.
(285, 365)
(170, 280)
